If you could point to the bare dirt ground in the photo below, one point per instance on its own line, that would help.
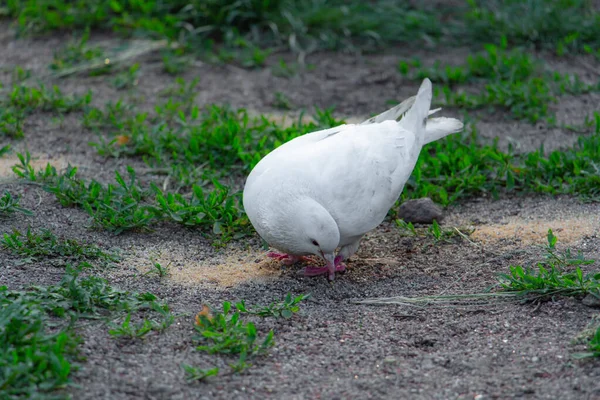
(333, 349)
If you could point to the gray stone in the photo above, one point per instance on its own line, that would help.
(422, 211)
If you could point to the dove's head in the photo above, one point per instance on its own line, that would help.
(312, 230)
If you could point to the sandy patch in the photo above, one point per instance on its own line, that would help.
(568, 229)
(38, 162)
(236, 267)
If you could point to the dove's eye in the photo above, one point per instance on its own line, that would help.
(315, 242)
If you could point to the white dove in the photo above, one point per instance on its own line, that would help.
(326, 189)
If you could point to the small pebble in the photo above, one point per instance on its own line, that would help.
(422, 211)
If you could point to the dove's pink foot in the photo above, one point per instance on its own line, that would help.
(286, 259)
(339, 265)
(316, 271)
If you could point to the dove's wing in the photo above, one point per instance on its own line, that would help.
(270, 160)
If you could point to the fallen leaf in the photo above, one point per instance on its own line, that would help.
(123, 140)
(205, 312)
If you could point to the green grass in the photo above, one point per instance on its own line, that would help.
(75, 52)
(45, 244)
(5, 150)
(9, 204)
(198, 149)
(559, 274)
(243, 24)
(227, 332)
(34, 360)
(285, 308)
(223, 141)
(510, 80)
(127, 329)
(38, 343)
(197, 374)
(558, 25)
(460, 166)
(23, 100)
(126, 206)
(127, 79)
(28, 99)
(158, 269)
(180, 137)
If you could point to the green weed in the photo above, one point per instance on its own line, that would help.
(459, 166)
(28, 99)
(34, 360)
(282, 102)
(511, 80)
(301, 26)
(127, 330)
(127, 79)
(11, 122)
(226, 332)
(217, 212)
(38, 354)
(590, 125)
(20, 74)
(75, 53)
(90, 297)
(24, 100)
(407, 227)
(559, 25)
(285, 308)
(288, 70)
(136, 331)
(127, 206)
(181, 136)
(174, 63)
(195, 145)
(118, 208)
(5, 150)
(196, 374)
(10, 205)
(560, 274)
(543, 282)
(46, 244)
(158, 270)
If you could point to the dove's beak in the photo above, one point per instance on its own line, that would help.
(330, 259)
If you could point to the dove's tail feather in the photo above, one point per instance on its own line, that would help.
(415, 119)
(438, 128)
(414, 112)
(393, 113)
